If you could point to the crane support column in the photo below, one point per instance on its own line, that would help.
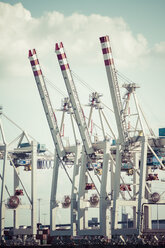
(2, 203)
(135, 186)
(82, 212)
(105, 211)
(74, 208)
(53, 201)
(33, 188)
(116, 187)
(142, 182)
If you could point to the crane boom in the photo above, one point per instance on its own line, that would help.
(114, 88)
(50, 115)
(72, 92)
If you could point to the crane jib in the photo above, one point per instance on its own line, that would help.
(50, 115)
(72, 92)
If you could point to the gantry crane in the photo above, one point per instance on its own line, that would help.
(132, 149)
(89, 151)
(122, 142)
(61, 153)
(14, 157)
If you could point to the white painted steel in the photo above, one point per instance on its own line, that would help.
(115, 93)
(49, 112)
(74, 99)
(34, 189)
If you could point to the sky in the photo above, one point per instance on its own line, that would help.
(136, 30)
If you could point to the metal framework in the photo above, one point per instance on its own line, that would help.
(133, 149)
(120, 172)
(14, 199)
(63, 154)
(89, 153)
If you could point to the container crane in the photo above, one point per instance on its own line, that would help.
(133, 149)
(120, 122)
(88, 152)
(61, 154)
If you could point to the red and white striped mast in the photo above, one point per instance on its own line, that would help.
(74, 99)
(114, 89)
(50, 115)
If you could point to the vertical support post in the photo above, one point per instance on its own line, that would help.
(2, 203)
(135, 186)
(147, 208)
(75, 191)
(116, 187)
(33, 188)
(104, 201)
(142, 182)
(82, 211)
(39, 209)
(16, 186)
(147, 217)
(53, 203)
(112, 177)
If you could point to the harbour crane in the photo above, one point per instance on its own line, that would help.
(62, 154)
(89, 152)
(132, 149)
(123, 141)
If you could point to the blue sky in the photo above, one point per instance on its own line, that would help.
(136, 29)
(144, 16)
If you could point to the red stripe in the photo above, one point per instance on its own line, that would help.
(34, 62)
(106, 50)
(30, 53)
(37, 73)
(61, 56)
(104, 39)
(64, 67)
(61, 45)
(54, 116)
(56, 47)
(109, 62)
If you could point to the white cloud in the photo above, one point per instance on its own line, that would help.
(80, 34)
(160, 48)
